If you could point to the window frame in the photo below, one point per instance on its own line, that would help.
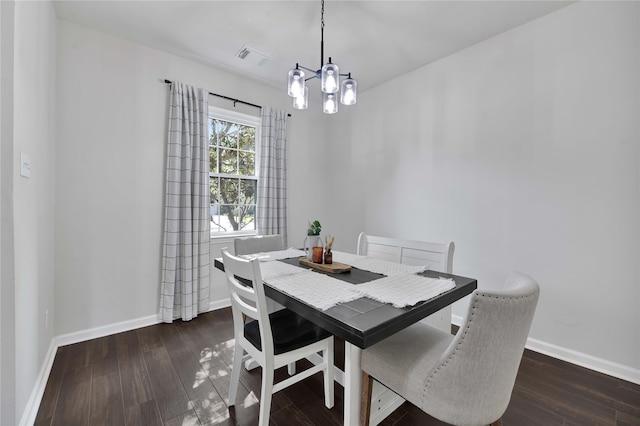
(218, 113)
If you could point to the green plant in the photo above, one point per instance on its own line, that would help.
(314, 228)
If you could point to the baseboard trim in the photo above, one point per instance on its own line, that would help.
(600, 365)
(94, 333)
(106, 330)
(31, 410)
(219, 304)
(583, 360)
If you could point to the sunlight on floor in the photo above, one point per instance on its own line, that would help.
(212, 409)
(250, 400)
(220, 351)
(190, 420)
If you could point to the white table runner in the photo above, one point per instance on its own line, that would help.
(405, 290)
(275, 255)
(270, 270)
(315, 289)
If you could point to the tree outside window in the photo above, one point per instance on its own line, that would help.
(233, 180)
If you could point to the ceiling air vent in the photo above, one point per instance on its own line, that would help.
(252, 56)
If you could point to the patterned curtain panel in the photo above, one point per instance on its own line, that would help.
(271, 215)
(185, 255)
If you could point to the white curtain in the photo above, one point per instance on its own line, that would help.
(272, 178)
(185, 254)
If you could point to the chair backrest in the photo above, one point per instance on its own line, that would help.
(246, 291)
(474, 380)
(258, 244)
(439, 256)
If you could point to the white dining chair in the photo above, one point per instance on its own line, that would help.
(272, 340)
(466, 379)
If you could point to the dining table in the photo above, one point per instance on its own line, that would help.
(361, 321)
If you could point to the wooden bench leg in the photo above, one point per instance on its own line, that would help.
(365, 399)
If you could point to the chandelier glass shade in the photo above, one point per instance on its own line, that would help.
(296, 83)
(302, 102)
(329, 103)
(330, 85)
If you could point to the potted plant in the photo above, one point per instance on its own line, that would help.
(314, 228)
(312, 241)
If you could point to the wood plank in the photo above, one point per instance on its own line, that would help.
(528, 411)
(79, 357)
(74, 399)
(307, 401)
(52, 390)
(106, 401)
(627, 400)
(625, 419)
(185, 419)
(203, 397)
(198, 335)
(563, 399)
(292, 415)
(165, 383)
(104, 356)
(171, 337)
(144, 414)
(136, 384)
(149, 338)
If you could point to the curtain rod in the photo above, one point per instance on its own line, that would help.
(231, 99)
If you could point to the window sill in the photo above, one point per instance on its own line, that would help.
(231, 236)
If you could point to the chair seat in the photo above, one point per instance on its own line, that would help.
(402, 360)
(290, 332)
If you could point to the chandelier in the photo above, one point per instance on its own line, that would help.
(329, 75)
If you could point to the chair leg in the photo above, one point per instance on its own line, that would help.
(266, 393)
(365, 399)
(238, 353)
(329, 376)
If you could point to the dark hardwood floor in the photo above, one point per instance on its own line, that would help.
(178, 374)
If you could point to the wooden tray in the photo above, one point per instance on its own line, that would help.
(333, 268)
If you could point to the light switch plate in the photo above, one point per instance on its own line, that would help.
(25, 165)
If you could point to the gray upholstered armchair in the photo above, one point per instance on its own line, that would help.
(466, 379)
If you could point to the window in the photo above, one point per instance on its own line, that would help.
(233, 175)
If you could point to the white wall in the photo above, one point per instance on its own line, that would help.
(33, 134)
(7, 289)
(523, 150)
(111, 136)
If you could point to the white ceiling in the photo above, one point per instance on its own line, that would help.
(374, 40)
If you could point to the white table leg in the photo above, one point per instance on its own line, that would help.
(352, 384)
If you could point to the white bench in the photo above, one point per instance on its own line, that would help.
(439, 257)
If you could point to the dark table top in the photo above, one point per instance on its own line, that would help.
(365, 321)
